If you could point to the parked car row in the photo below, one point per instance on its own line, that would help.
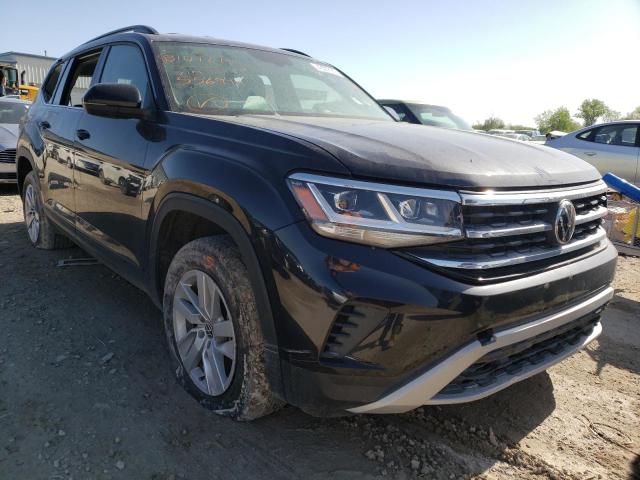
(611, 147)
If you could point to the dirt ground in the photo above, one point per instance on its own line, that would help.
(86, 393)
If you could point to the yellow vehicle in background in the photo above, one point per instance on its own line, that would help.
(26, 92)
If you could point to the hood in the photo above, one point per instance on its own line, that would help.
(8, 135)
(429, 155)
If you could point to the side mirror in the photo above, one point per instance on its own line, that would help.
(393, 113)
(120, 100)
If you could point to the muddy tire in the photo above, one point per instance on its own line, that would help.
(41, 232)
(215, 339)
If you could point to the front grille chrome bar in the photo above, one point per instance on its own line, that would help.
(487, 261)
(591, 215)
(485, 231)
(491, 198)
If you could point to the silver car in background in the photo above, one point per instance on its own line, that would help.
(11, 111)
(610, 147)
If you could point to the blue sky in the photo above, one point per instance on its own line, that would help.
(509, 58)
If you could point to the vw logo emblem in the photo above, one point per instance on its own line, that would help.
(565, 223)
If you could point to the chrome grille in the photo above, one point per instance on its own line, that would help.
(510, 228)
(8, 156)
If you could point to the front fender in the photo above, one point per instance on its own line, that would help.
(252, 197)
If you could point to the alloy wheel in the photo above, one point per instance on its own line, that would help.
(31, 215)
(204, 332)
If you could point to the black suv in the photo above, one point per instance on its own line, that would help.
(304, 246)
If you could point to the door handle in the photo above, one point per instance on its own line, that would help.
(44, 125)
(590, 154)
(82, 134)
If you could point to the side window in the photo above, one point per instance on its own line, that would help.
(621, 134)
(79, 80)
(125, 64)
(586, 135)
(49, 85)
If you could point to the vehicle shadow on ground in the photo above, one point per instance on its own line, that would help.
(620, 340)
(7, 190)
(85, 354)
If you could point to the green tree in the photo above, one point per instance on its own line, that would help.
(611, 115)
(591, 110)
(489, 124)
(558, 119)
(635, 115)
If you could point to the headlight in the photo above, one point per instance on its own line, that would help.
(377, 214)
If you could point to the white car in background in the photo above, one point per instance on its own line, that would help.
(610, 147)
(530, 133)
(515, 136)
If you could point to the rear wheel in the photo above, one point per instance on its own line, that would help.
(41, 232)
(213, 330)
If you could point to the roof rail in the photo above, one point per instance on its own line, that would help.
(132, 28)
(296, 51)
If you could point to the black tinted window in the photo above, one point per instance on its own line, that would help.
(125, 64)
(585, 135)
(401, 110)
(50, 83)
(79, 79)
(622, 134)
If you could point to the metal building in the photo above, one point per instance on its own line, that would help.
(31, 68)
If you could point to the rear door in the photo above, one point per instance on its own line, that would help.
(57, 130)
(109, 196)
(611, 148)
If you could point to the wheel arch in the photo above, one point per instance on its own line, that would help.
(227, 224)
(24, 164)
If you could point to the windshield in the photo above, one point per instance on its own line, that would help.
(12, 112)
(223, 80)
(438, 117)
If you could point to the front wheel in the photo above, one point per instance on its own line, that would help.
(214, 332)
(41, 232)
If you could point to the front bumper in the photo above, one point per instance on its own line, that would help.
(364, 329)
(426, 388)
(8, 173)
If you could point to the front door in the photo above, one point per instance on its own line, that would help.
(112, 152)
